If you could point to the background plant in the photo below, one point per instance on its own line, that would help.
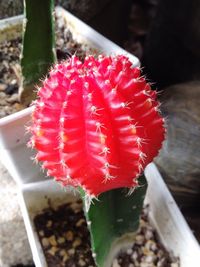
(38, 53)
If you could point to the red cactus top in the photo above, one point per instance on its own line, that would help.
(96, 124)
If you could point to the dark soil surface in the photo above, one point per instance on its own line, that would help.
(65, 241)
(64, 236)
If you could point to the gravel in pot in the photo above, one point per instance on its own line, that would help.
(65, 241)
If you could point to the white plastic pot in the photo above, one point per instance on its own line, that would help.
(165, 216)
(35, 189)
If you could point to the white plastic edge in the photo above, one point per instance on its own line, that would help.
(11, 21)
(171, 226)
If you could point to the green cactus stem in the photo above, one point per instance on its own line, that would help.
(38, 51)
(113, 220)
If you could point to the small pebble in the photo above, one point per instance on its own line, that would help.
(2, 86)
(145, 251)
(69, 235)
(53, 251)
(150, 258)
(76, 243)
(18, 106)
(115, 263)
(62, 252)
(61, 240)
(134, 256)
(41, 233)
(151, 245)
(13, 82)
(60, 42)
(139, 240)
(81, 262)
(148, 234)
(129, 251)
(80, 222)
(45, 242)
(65, 258)
(49, 224)
(52, 240)
(76, 206)
(71, 251)
(13, 98)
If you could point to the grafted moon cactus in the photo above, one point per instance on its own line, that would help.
(96, 124)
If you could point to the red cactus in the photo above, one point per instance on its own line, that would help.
(96, 124)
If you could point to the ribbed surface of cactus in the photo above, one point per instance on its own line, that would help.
(96, 124)
(37, 56)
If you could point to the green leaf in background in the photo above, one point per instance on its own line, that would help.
(38, 52)
(113, 219)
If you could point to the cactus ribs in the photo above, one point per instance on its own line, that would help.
(96, 124)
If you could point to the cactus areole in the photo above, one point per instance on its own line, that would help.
(96, 124)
